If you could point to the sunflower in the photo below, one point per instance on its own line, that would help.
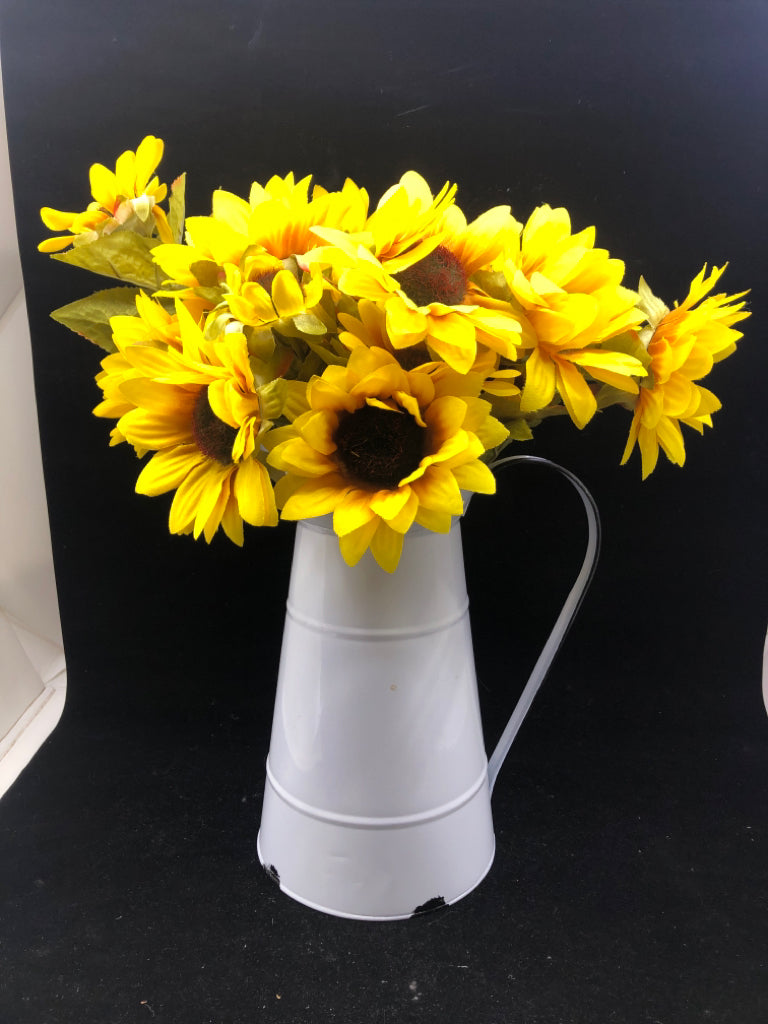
(683, 343)
(153, 326)
(268, 290)
(407, 217)
(125, 197)
(275, 222)
(201, 412)
(418, 271)
(381, 448)
(369, 329)
(572, 304)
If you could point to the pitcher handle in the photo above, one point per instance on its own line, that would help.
(564, 619)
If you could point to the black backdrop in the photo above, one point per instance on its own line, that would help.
(630, 876)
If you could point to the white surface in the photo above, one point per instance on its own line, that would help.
(377, 797)
(32, 675)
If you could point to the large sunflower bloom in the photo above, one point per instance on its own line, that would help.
(126, 196)
(382, 448)
(203, 415)
(684, 344)
(277, 221)
(573, 303)
(417, 269)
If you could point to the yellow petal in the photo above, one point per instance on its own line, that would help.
(254, 494)
(210, 506)
(386, 547)
(231, 522)
(103, 186)
(56, 220)
(187, 498)
(318, 431)
(438, 489)
(287, 294)
(295, 455)
(315, 497)
(445, 417)
(576, 393)
(353, 511)
(434, 519)
(354, 545)
(166, 470)
(389, 504)
(475, 476)
(540, 379)
(149, 153)
(403, 521)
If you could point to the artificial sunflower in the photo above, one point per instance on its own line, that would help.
(382, 447)
(276, 222)
(127, 198)
(684, 343)
(405, 220)
(203, 413)
(153, 326)
(572, 304)
(425, 288)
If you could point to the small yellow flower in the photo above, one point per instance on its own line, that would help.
(269, 291)
(573, 303)
(684, 343)
(127, 196)
(382, 448)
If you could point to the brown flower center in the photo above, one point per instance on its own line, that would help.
(266, 279)
(439, 277)
(377, 448)
(212, 436)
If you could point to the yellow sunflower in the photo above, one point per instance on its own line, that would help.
(153, 326)
(407, 217)
(266, 291)
(573, 303)
(381, 448)
(276, 221)
(683, 343)
(201, 412)
(369, 328)
(127, 196)
(417, 267)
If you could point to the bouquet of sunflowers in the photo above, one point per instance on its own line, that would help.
(297, 353)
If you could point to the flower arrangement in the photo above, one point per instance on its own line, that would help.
(296, 353)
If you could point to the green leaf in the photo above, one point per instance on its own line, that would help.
(206, 272)
(629, 343)
(89, 317)
(176, 208)
(123, 254)
(519, 430)
(308, 323)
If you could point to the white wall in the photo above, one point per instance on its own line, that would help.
(32, 668)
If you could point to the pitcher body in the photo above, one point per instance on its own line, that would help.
(377, 803)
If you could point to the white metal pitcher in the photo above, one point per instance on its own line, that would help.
(377, 798)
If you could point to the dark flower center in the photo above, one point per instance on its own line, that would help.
(410, 358)
(439, 277)
(212, 436)
(266, 279)
(377, 448)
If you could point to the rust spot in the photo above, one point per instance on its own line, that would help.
(434, 904)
